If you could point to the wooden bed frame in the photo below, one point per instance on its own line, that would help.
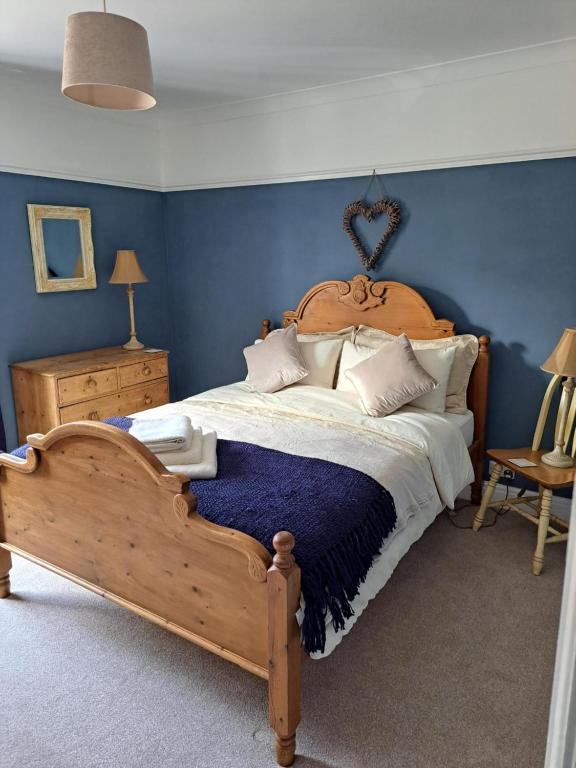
(92, 504)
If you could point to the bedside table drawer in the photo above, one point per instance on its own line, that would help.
(87, 386)
(138, 373)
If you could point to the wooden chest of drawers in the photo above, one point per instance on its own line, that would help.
(87, 385)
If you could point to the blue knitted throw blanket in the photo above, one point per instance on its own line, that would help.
(338, 516)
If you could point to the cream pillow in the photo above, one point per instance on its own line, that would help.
(352, 354)
(389, 378)
(466, 352)
(436, 362)
(321, 359)
(275, 363)
(343, 333)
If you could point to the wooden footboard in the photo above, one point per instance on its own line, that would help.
(92, 504)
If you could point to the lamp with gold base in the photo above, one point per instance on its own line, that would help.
(127, 271)
(562, 363)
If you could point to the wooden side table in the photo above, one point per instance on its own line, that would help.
(536, 509)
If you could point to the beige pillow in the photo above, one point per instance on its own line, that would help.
(321, 359)
(390, 378)
(466, 352)
(275, 363)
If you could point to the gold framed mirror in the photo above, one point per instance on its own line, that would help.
(62, 250)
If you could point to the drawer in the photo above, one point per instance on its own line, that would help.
(120, 404)
(144, 397)
(148, 370)
(87, 386)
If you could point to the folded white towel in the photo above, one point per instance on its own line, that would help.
(205, 469)
(190, 453)
(174, 433)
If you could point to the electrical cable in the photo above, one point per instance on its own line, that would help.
(452, 514)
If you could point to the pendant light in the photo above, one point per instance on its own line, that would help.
(107, 61)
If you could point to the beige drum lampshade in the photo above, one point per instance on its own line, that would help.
(127, 270)
(563, 360)
(107, 62)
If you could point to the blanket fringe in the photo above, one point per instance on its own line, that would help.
(334, 581)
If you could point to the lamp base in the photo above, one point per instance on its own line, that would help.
(557, 458)
(133, 344)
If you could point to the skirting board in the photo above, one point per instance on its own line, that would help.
(560, 504)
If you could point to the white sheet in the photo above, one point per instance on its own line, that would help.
(465, 423)
(420, 457)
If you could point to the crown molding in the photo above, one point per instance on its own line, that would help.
(524, 80)
(330, 173)
(501, 62)
(186, 135)
(65, 176)
(428, 164)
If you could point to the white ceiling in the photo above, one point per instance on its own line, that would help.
(207, 52)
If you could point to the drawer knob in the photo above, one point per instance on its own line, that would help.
(147, 399)
(92, 382)
(93, 416)
(146, 370)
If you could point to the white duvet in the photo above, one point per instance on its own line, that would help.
(420, 457)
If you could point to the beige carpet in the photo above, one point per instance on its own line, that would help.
(449, 667)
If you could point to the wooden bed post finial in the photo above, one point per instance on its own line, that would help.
(283, 544)
(284, 654)
(264, 329)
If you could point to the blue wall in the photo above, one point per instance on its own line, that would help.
(491, 247)
(35, 325)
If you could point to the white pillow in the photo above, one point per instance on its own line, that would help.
(321, 359)
(437, 362)
(352, 354)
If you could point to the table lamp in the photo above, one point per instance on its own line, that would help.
(127, 271)
(562, 362)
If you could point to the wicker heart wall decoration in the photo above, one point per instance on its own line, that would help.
(370, 213)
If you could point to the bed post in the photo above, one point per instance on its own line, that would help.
(5, 565)
(478, 402)
(264, 329)
(284, 652)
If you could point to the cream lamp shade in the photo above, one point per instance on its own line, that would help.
(127, 270)
(107, 62)
(563, 360)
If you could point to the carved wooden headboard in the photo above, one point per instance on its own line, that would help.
(392, 307)
(396, 308)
